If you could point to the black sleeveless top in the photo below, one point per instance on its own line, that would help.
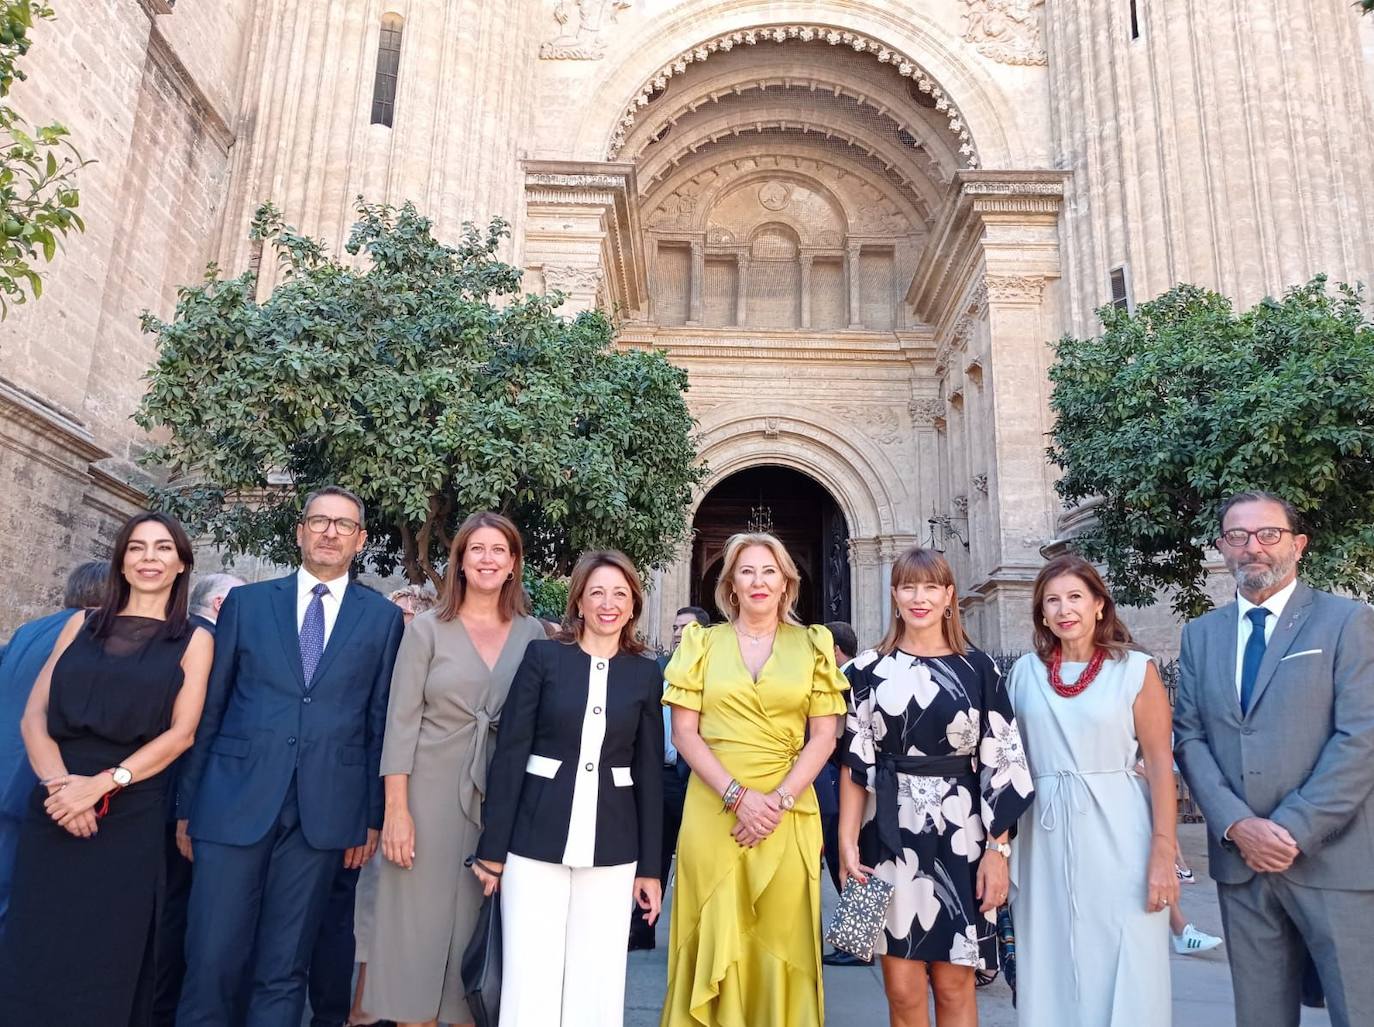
(110, 696)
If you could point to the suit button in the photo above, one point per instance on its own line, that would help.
(291, 740)
(306, 700)
(1247, 731)
(590, 766)
(596, 710)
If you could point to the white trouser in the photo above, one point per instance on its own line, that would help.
(567, 923)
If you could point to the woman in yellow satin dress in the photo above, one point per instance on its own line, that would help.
(756, 712)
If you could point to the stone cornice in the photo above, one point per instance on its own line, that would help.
(900, 347)
(118, 487)
(551, 184)
(161, 53)
(953, 254)
(21, 407)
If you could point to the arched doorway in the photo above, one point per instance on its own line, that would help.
(796, 509)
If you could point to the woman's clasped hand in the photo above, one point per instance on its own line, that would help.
(756, 818)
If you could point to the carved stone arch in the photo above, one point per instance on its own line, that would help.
(888, 153)
(925, 124)
(926, 40)
(732, 439)
(709, 163)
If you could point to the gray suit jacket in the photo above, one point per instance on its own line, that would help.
(1304, 754)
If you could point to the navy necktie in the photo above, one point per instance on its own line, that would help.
(1254, 655)
(312, 632)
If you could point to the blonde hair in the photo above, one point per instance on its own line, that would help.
(925, 566)
(419, 597)
(725, 589)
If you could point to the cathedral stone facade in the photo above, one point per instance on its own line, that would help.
(857, 223)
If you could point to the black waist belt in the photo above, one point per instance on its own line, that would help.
(885, 788)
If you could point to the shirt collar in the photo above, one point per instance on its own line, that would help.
(305, 581)
(1274, 604)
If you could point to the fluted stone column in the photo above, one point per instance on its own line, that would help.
(1230, 145)
(695, 305)
(741, 287)
(806, 259)
(851, 269)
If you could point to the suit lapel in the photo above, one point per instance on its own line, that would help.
(284, 613)
(1285, 633)
(350, 611)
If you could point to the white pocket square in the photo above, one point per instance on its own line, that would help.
(1305, 652)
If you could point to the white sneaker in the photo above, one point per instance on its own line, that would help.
(1192, 941)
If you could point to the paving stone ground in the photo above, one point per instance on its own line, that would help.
(854, 997)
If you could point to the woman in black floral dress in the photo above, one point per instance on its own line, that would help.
(936, 769)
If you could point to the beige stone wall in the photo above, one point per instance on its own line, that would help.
(152, 107)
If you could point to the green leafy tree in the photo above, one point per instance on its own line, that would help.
(421, 379)
(1186, 401)
(38, 196)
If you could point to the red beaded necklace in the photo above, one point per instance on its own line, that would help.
(1084, 680)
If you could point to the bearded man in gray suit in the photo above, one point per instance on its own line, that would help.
(1274, 732)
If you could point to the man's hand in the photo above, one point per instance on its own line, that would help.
(1266, 847)
(184, 839)
(355, 857)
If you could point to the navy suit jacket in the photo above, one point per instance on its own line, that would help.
(262, 725)
(23, 659)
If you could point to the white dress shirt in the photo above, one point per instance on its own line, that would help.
(305, 582)
(1274, 604)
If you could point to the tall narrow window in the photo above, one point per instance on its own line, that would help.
(1121, 289)
(388, 70)
(1135, 19)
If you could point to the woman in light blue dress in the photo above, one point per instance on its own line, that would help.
(1092, 869)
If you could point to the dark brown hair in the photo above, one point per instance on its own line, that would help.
(587, 564)
(919, 565)
(1109, 633)
(117, 586)
(513, 600)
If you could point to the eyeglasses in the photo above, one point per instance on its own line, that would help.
(1239, 538)
(319, 524)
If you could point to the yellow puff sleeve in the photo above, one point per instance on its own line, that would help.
(828, 685)
(686, 671)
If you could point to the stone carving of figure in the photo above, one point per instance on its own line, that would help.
(1005, 30)
(581, 22)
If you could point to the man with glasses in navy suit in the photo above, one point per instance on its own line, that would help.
(282, 785)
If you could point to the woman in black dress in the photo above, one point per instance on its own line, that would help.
(117, 702)
(936, 779)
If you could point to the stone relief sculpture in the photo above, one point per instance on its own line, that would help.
(569, 279)
(582, 23)
(1005, 30)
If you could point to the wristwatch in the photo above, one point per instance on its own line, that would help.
(122, 776)
(1003, 847)
(785, 798)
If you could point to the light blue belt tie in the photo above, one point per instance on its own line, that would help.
(1067, 787)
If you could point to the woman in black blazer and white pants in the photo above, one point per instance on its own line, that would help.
(574, 806)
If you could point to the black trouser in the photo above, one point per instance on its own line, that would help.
(331, 961)
(171, 933)
(674, 795)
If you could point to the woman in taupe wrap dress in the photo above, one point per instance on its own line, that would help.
(452, 674)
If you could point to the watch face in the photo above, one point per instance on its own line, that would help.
(121, 776)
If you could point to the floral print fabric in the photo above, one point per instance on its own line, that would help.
(947, 706)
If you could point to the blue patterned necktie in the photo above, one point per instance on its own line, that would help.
(1254, 655)
(312, 632)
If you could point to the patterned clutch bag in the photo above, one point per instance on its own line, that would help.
(859, 917)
